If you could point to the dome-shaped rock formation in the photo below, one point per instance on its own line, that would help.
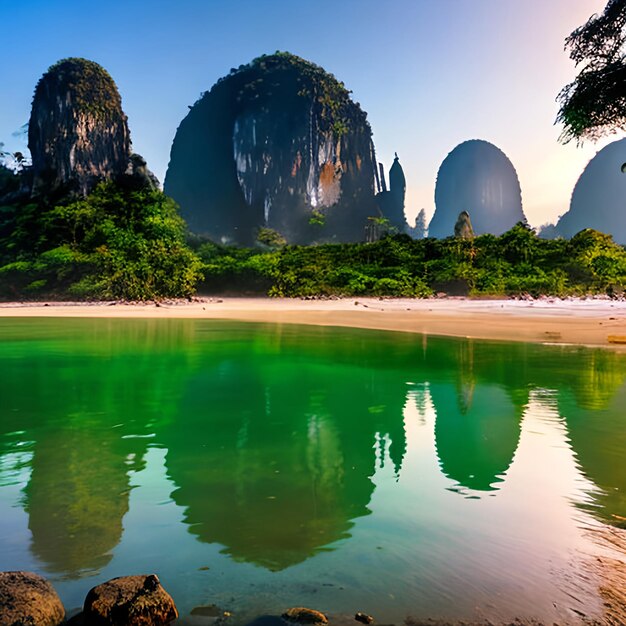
(277, 143)
(77, 133)
(476, 177)
(599, 197)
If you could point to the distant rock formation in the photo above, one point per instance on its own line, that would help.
(77, 133)
(599, 197)
(391, 203)
(463, 227)
(278, 144)
(419, 230)
(478, 178)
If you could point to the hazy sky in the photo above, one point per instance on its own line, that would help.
(430, 73)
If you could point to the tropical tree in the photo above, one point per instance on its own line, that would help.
(594, 104)
(519, 244)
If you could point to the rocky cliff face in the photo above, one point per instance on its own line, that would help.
(77, 133)
(277, 143)
(599, 197)
(476, 177)
(391, 203)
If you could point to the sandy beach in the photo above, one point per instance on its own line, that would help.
(582, 322)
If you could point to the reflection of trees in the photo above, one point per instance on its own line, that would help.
(598, 378)
(273, 452)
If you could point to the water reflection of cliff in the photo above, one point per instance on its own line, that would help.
(84, 409)
(478, 425)
(598, 438)
(282, 451)
(270, 431)
(476, 445)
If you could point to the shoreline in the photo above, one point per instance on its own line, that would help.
(596, 322)
(546, 321)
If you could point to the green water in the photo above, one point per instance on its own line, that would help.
(263, 466)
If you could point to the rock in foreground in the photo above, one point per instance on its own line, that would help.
(129, 601)
(27, 599)
(301, 615)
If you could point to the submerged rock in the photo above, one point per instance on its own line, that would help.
(302, 615)
(129, 601)
(77, 134)
(278, 144)
(27, 599)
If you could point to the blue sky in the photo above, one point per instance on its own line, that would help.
(430, 73)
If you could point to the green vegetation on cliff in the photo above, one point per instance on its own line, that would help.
(278, 143)
(92, 89)
(115, 243)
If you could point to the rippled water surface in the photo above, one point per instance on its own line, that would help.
(260, 466)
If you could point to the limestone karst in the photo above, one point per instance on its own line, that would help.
(78, 133)
(476, 177)
(278, 144)
(599, 197)
(391, 202)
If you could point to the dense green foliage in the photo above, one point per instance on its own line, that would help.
(517, 262)
(337, 112)
(115, 243)
(594, 104)
(129, 244)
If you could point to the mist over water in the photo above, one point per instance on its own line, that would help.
(260, 466)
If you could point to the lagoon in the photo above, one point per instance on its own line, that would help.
(261, 466)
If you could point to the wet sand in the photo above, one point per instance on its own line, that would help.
(554, 321)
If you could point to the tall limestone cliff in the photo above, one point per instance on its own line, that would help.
(77, 134)
(476, 177)
(277, 143)
(599, 197)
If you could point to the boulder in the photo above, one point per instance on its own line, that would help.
(302, 615)
(129, 601)
(27, 599)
